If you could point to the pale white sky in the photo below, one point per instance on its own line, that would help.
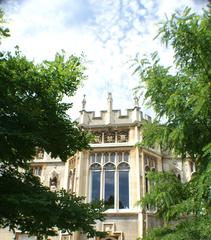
(108, 32)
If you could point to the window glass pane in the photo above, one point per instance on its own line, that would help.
(119, 157)
(95, 183)
(37, 171)
(146, 184)
(106, 159)
(109, 189)
(126, 156)
(112, 157)
(123, 166)
(95, 166)
(99, 155)
(109, 166)
(92, 158)
(123, 189)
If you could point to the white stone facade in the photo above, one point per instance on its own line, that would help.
(113, 170)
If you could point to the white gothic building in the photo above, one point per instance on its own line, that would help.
(114, 170)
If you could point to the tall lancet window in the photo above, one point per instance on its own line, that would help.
(95, 181)
(109, 173)
(147, 184)
(70, 181)
(109, 178)
(123, 170)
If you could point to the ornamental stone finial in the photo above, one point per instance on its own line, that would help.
(136, 101)
(84, 102)
(110, 102)
(109, 108)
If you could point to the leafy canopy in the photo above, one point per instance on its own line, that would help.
(28, 206)
(33, 114)
(182, 99)
(4, 32)
(31, 109)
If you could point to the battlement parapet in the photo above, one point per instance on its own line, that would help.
(114, 117)
(111, 117)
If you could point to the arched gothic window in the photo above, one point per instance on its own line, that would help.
(71, 181)
(123, 170)
(54, 181)
(150, 164)
(109, 181)
(95, 181)
(147, 184)
(109, 175)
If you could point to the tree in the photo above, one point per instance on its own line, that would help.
(182, 99)
(28, 206)
(4, 32)
(33, 114)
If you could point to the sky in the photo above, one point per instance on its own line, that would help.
(108, 32)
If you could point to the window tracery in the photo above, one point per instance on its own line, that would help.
(150, 161)
(112, 157)
(150, 164)
(106, 158)
(126, 156)
(119, 157)
(95, 166)
(98, 157)
(107, 175)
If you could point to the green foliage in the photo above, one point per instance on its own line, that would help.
(28, 206)
(165, 191)
(191, 229)
(31, 107)
(33, 114)
(4, 32)
(182, 99)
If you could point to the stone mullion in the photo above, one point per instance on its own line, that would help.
(116, 190)
(102, 184)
